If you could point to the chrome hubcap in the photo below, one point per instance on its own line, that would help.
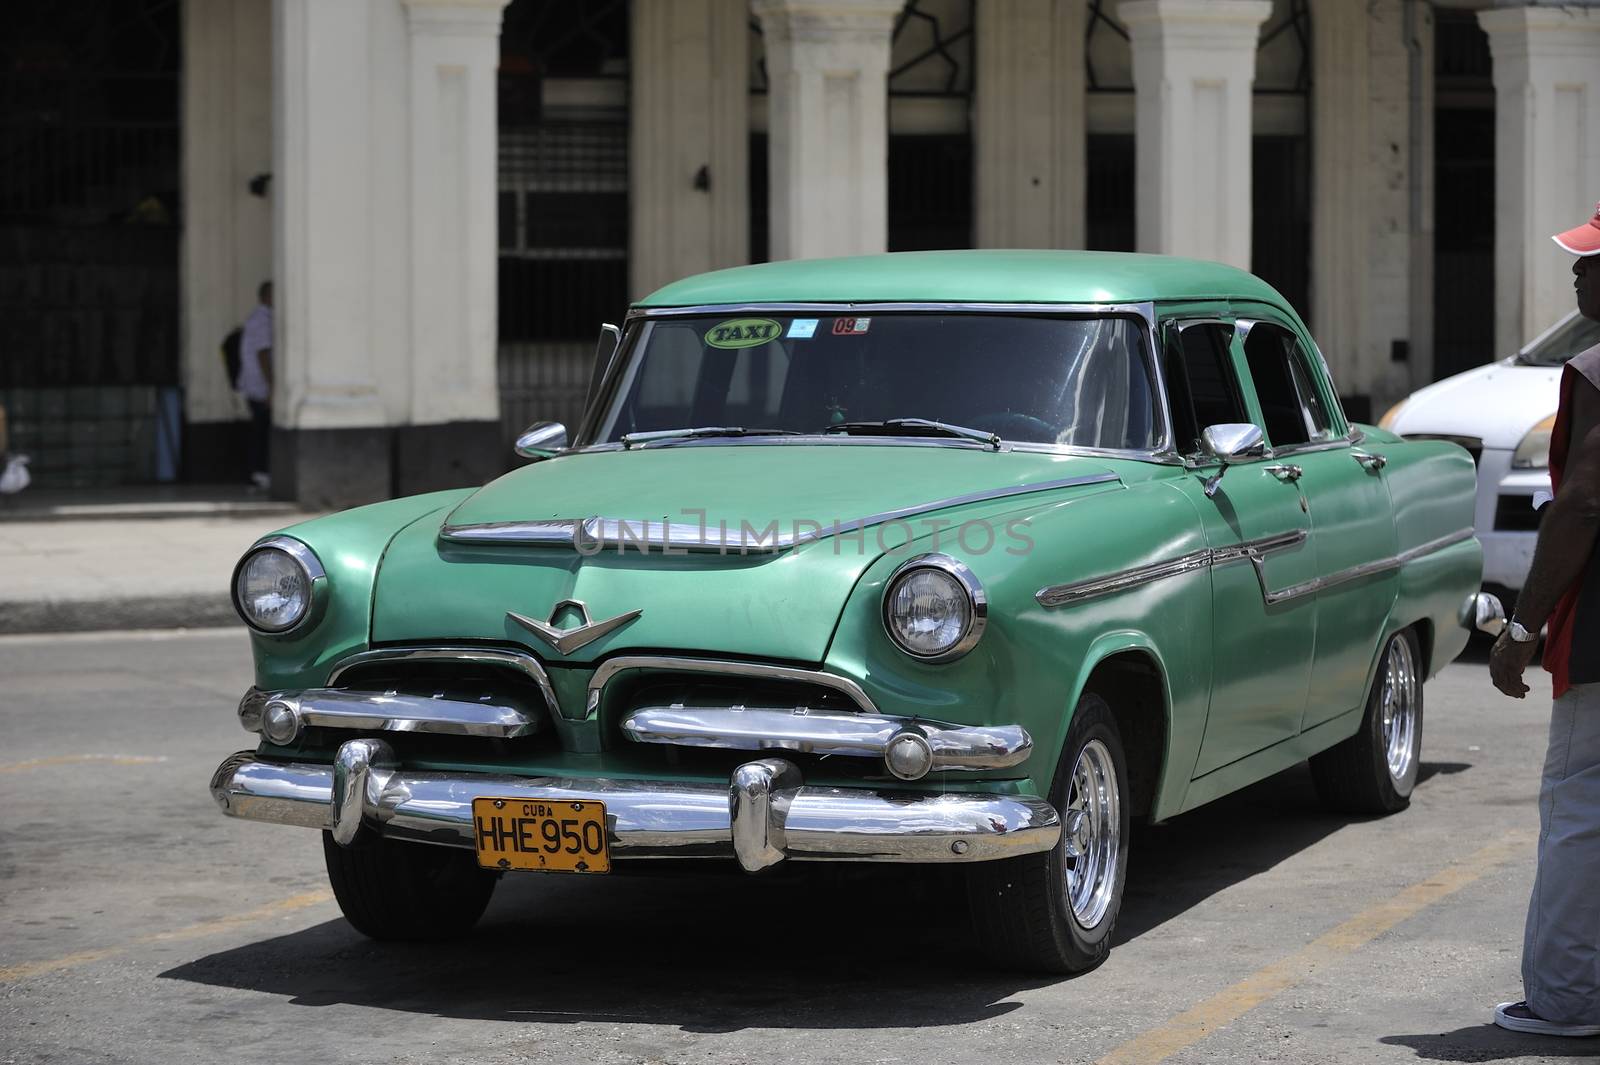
(1398, 702)
(1091, 834)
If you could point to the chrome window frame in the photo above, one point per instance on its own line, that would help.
(1163, 451)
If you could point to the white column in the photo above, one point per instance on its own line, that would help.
(1028, 125)
(1340, 96)
(454, 141)
(1193, 65)
(690, 119)
(227, 233)
(324, 182)
(1547, 157)
(827, 76)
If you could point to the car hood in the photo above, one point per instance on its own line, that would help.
(432, 585)
(1497, 404)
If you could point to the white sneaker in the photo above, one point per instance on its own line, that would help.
(1517, 1017)
(261, 480)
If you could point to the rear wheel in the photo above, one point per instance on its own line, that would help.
(410, 891)
(1374, 771)
(1055, 911)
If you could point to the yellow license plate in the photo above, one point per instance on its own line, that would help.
(549, 836)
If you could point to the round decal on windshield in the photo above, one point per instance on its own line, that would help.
(743, 333)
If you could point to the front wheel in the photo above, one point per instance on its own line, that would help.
(390, 889)
(1374, 771)
(1054, 912)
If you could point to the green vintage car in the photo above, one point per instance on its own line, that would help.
(947, 557)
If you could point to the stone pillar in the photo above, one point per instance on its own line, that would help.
(1028, 125)
(384, 156)
(453, 435)
(1547, 158)
(1340, 96)
(689, 153)
(1193, 65)
(227, 233)
(827, 75)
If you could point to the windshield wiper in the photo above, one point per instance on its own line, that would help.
(915, 427)
(630, 439)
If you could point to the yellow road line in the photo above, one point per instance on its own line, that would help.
(79, 759)
(23, 971)
(1228, 1005)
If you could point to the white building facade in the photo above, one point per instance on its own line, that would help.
(461, 191)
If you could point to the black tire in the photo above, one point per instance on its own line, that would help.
(1355, 776)
(1019, 906)
(407, 891)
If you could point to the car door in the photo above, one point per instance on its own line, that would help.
(1255, 521)
(1352, 518)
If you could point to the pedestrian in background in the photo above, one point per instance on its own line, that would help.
(1561, 944)
(255, 383)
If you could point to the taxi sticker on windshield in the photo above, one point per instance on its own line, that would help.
(743, 333)
(844, 327)
(802, 328)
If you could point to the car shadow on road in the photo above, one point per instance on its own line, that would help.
(1177, 865)
(820, 947)
(1485, 1042)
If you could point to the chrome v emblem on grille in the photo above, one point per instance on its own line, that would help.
(566, 641)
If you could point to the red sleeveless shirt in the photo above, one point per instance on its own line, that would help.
(1558, 646)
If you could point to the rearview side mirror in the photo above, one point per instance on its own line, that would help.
(1231, 442)
(541, 440)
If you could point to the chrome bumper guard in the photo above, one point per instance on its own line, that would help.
(1482, 611)
(766, 813)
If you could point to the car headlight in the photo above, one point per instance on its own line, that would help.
(1534, 451)
(277, 586)
(934, 608)
(1391, 416)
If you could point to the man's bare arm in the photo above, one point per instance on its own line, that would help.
(1570, 525)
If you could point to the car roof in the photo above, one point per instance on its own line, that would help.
(976, 276)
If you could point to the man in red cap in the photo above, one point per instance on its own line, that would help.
(1561, 944)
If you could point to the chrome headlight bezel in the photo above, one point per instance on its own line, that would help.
(311, 571)
(977, 605)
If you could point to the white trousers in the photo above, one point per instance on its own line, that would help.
(1561, 945)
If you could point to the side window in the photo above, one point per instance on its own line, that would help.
(1291, 406)
(1200, 382)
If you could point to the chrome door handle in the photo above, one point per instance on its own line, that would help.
(1371, 462)
(1285, 471)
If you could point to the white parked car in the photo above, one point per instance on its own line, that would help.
(1502, 413)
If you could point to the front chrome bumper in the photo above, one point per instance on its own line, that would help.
(766, 812)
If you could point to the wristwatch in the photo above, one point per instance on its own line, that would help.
(1520, 633)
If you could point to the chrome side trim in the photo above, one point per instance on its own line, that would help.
(763, 814)
(623, 533)
(391, 712)
(612, 666)
(1094, 587)
(1354, 573)
(521, 661)
(738, 728)
(1256, 551)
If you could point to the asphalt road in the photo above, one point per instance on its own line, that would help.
(137, 924)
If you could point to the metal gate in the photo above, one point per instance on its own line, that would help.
(563, 201)
(89, 236)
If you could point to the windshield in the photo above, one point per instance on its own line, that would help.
(1569, 338)
(1077, 381)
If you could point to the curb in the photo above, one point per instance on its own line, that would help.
(206, 610)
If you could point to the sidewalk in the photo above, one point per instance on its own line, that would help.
(126, 563)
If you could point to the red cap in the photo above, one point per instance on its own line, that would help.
(1584, 239)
